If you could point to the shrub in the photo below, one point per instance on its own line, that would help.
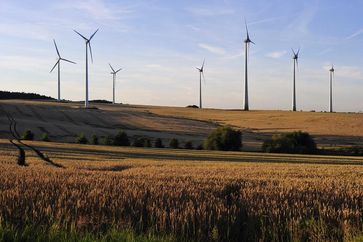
(296, 143)
(82, 139)
(174, 143)
(28, 135)
(94, 140)
(199, 147)
(45, 137)
(108, 140)
(224, 138)
(158, 143)
(121, 139)
(188, 145)
(142, 142)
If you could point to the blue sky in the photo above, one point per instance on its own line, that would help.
(159, 42)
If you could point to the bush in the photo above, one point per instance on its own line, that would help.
(158, 143)
(142, 142)
(121, 139)
(224, 138)
(174, 143)
(199, 147)
(28, 135)
(82, 139)
(94, 140)
(295, 143)
(45, 137)
(108, 140)
(188, 145)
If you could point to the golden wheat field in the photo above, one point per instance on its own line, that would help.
(193, 195)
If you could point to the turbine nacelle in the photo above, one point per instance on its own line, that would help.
(248, 40)
(332, 69)
(59, 57)
(88, 41)
(295, 55)
(113, 70)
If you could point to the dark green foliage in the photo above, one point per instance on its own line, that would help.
(142, 142)
(158, 143)
(295, 143)
(94, 140)
(224, 138)
(23, 95)
(108, 140)
(28, 135)
(199, 147)
(174, 143)
(188, 145)
(82, 139)
(121, 139)
(45, 137)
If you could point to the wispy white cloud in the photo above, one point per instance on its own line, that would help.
(97, 9)
(276, 54)
(25, 31)
(209, 12)
(355, 34)
(212, 49)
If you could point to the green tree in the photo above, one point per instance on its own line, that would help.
(297, 142)
(81, 139)
(224, 138)
(45, 137)
(94, 139)
(28, 135)
(174, 143)
(158, 143)
(121, 139)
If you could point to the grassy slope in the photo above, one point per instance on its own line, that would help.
(64, 121)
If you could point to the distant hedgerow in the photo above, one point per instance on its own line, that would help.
(174, 143)
(297, 142)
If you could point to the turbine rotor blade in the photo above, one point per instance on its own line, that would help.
(203, 77)
(111, 67)
(93, 34)
(118, 70)
(56, 48)
(68, 61)
(90, 50)
(54, 66)
(81, 35)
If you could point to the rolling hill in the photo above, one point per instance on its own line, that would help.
(64, 121)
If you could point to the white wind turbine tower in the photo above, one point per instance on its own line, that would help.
(247, 41)
(331, 89)
(201, 74)
(114, 73)
(88, 45)
(296, 65)
(58, 64)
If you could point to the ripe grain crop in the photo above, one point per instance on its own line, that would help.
(194, 200)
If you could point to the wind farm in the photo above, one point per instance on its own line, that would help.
(268, 148)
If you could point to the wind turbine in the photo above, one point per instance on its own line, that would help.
(296, 65)
(58, 64)
(331, 89)
(114, 80)
(88, 45)
(247, 41)
(201, 73)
